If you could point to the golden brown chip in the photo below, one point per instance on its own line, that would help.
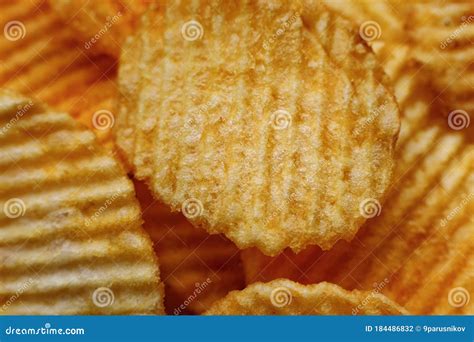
(257, 121)
(102, 25)
(438, 34)
(417, 252)
(284, 297)
(196, 268)
(39, 56)
(71, 240)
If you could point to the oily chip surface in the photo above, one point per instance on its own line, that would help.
(102, 25)
(257, 120)
(71, 240)
(285, 297)
(418, 250)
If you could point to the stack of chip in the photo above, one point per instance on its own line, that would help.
(272, 157)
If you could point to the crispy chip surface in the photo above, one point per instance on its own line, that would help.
(285, 297)
(196, 268)
(102, 25)
(257, 121)
(418, 250)
(71, 240)
(40, 57)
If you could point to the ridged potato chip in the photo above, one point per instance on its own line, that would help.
(40, 57)
(257, 121)
(71, 240)
(436, 33)
(102, 25)
(417, 250)
(285, 297)
(196, 268)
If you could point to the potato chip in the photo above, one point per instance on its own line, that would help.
(196, 268)
(438, 34)
(102, 25)
(417, 252)
(39, 56)
(252, 120)
(284, 297)
(71, 240)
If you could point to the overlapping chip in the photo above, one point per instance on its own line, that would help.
(438, 34)
(260, 128)
(196, 268)
(417, 251)
(285, 297)
(71, 240)
(270, 122)
(102, 25)
(40, 57)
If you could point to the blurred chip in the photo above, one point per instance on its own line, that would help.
(40, 56)
(437, 33)
(102, 25)
(196, 268)
(417, 252)
(284, 297)
(71, 240)
(262, 129)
